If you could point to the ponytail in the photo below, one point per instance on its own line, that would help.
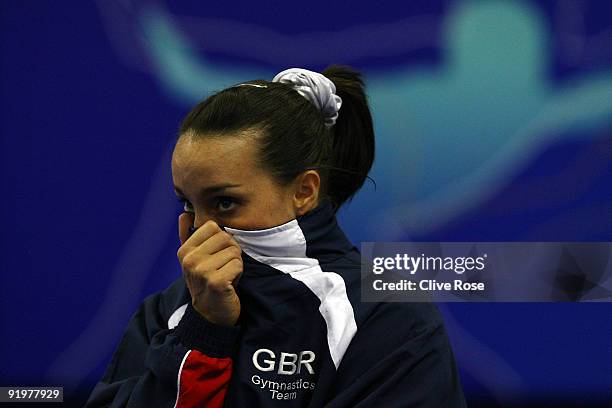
(353, 146)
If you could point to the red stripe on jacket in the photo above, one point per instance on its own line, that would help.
(203, 381)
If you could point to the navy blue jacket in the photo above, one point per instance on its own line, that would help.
(303, 338)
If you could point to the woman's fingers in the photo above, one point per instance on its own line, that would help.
(232, 271)
(207, 230)
(206, 265)
(217, 242)
(220, 281)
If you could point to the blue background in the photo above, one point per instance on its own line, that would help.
(493, 121)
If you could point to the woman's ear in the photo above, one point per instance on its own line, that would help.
(306, 197)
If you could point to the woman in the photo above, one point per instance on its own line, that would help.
(268, 311)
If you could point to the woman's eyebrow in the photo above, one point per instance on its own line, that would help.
(209, 190)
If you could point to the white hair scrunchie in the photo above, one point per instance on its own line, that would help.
(315, 87)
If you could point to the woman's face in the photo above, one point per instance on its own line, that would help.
(219, 179)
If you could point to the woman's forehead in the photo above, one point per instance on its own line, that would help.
(217, 159)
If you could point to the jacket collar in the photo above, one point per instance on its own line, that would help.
(315, 234)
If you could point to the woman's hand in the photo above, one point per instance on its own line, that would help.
(211, 263)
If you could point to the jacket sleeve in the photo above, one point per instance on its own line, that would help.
(400, 357)
(187, 366)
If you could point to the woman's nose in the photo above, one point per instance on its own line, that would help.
(198, 221)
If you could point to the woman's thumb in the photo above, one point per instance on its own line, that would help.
(185, 220)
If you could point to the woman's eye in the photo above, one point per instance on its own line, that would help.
(187, 207)
(225, 203)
